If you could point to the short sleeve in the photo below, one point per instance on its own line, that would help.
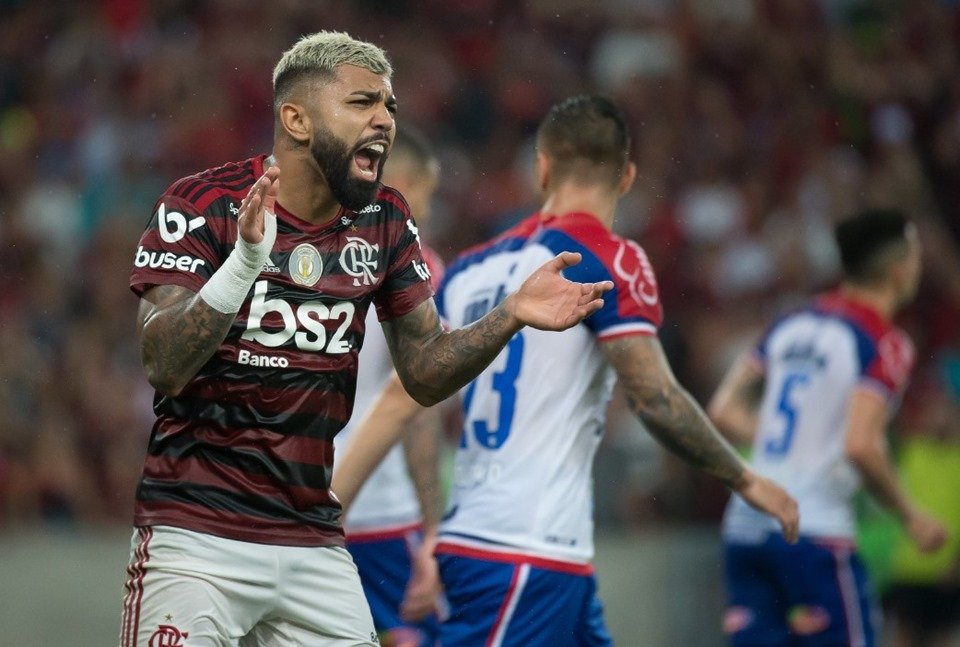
(178, 247)
(408, 280)
(633, 306)
(888, 371)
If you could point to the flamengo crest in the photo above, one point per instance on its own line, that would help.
(359, 259)
(167, 636)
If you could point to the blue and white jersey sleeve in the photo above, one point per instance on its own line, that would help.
(633, 306)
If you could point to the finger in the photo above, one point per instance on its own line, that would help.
(260, 187)
(790, 521)
(596, 290)
(603, 286)
(272, 173)
(564, 260)
(253, 207)
(582, 312)
(272, 191)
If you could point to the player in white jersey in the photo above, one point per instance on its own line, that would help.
(385, 525)
(814, 398)
(516, 544)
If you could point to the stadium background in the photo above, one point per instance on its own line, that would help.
(756, 125)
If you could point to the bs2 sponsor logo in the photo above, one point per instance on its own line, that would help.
(166, 261)
(304, 324)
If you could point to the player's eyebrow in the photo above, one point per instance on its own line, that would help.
(377, 95)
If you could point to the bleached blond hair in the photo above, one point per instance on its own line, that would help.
(320, 54)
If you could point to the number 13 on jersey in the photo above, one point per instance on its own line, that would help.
(504, 385)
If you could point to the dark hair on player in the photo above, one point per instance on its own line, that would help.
(869, 242)
(411, 144)
(587, 138)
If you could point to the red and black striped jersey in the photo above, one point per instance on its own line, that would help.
(245, 451)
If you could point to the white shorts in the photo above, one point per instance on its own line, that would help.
(189, 589)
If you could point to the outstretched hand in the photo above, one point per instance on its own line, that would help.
(766, 496)
(261, 198)
(548, 301)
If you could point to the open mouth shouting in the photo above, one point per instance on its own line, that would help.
(368, 158)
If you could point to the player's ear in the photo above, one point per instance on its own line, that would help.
(627, 179)
(543, 171)
(295, 122)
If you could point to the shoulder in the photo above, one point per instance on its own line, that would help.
(388, 215)
(224, 186)
(512, 240)
(897, 354)
(606, 256)
(391, 202)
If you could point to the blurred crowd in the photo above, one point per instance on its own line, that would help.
(756, 123)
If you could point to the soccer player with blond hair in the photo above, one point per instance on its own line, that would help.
(254, 281)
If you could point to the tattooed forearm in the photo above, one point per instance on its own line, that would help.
(434, 364)
(669, 413)
(178, 334)
(680, 425)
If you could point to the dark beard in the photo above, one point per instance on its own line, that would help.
(334, 159)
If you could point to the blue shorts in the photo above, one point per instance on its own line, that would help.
(811, 594)
(384, 566)
(505, 603)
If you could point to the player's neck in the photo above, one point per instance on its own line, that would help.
(569, 198)
(880, 298)
(303, 189)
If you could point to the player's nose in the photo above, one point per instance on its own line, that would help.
(382, 119)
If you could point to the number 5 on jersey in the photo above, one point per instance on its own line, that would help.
(787, 411)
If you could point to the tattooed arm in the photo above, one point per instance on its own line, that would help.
(672, 416)
(433, 364)
(178, 334)
(179, 329)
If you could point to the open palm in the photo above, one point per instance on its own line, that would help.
(548, 301)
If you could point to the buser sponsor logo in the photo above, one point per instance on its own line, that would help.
(166, 261)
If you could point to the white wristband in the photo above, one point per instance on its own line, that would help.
(229, 285)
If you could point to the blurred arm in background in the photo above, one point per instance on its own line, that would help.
(395, 417)
(733, 407)
(866, 447)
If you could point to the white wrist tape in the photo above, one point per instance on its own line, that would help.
(229, 285)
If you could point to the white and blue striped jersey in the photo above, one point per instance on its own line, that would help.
(812, 361)
(533, 419)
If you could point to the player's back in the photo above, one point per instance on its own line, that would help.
(813, 360)
(534, 418)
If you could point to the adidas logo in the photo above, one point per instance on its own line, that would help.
(269, 267)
